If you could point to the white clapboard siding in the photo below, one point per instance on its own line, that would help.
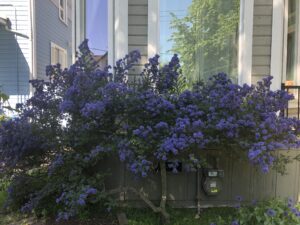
(15, 51)
(49, 28)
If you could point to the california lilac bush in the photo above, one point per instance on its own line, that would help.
(82, 114)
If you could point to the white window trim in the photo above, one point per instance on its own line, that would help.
(245, 37)
(153, 27)
(298, 44)
(65, 10)
(73, 31)
(245, 42)
(53, 45)
(117, 30)
(278, 48)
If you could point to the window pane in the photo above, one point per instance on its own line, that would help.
(291, 59)
(62, 16)
(62, 3)
(97, 28)
(291, 77)
(203, 32)
(62, 59)
(56, 56)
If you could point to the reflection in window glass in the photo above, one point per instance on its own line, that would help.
(97, 29)
(291, 78)
(204, 33)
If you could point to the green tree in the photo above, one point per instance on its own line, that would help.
(206, 38)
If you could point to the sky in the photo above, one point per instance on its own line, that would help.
(180, 9)
(97, 25)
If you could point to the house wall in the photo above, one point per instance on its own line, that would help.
(15, 51)
(262, 35)
(49, 28)
(240, 177)
(262, 39)
(138, 30)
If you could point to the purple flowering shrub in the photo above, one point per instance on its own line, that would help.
(163, 125)
(57, 144)
(81, 115)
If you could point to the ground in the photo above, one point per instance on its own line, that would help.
(135, 217)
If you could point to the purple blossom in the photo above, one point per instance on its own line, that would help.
(239, 198)
(235, 222)
(271, 212)
(81, 202)
(91, 191)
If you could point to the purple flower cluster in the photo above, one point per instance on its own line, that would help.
(164, 80)
(140, 166)
(292, 207)
(20, 141)
(73, 201)
(217, 114)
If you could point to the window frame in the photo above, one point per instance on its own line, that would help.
(244, 41)
(65, 51)
(117, 29)
(279, 43)
(64, 10)
(285, 44)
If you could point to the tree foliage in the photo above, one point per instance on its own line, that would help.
(206, 38)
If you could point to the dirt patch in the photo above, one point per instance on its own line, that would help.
(15, 219)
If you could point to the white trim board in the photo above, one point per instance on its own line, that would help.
(278, 54)
(153, 27)
(245, 42)
(118, 30)
(111, 37)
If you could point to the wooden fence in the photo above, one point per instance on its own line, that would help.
(240, 179)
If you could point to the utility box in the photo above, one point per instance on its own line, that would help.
(212, 181)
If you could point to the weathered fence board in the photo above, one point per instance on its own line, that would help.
(241, 179)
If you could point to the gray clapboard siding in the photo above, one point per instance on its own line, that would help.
(262, 39)
(15, 51)
(264, 2)
(49, 28)
(138, 31)
(138, 10)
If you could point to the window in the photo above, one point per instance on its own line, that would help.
(58, 55)
(292, 54)
(97, 29)
(204, 33)
(63, 11)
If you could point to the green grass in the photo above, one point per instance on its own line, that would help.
(178, 216)
(3, 195)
